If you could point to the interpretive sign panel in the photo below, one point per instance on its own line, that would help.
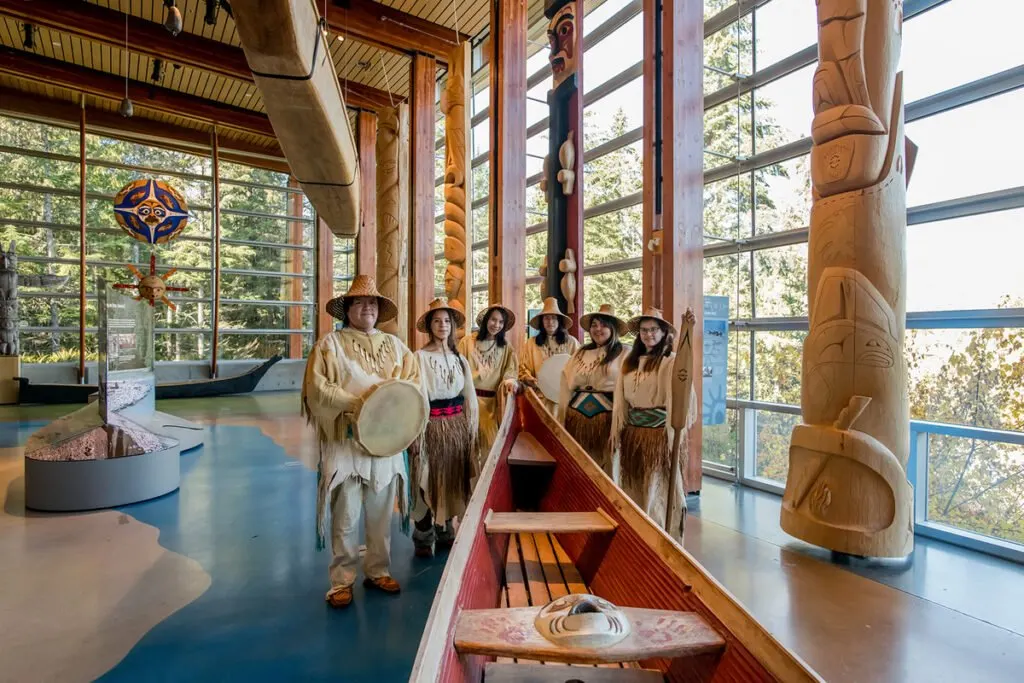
(127, 383)
(716, 356)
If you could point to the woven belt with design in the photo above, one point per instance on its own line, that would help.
(485, 393)
(647, 417)
(446, 407)
(590, 403)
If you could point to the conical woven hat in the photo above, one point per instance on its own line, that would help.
(440, 304)
(550, 308)
(363, 285)
(653, 314)
(510, 317)
(606, 311)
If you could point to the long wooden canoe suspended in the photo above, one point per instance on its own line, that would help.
(290, 59)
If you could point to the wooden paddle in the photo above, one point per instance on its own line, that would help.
(682, 385)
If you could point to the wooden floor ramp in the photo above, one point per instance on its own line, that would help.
(549, 522)
(510, 632)
(535, 673)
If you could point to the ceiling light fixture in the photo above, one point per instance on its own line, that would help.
(125, 109)
(28, 42)
(173, 21)
(211, 12)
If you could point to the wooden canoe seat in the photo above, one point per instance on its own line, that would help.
(550, 522)
(526, 451)
(534, 673)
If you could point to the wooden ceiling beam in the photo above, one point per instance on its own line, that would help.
(33, 67)
(140, 129)
(107, 26)
(371, 22)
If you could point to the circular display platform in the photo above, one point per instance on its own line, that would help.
(67, 486)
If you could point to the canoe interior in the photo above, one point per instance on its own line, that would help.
(636, 566)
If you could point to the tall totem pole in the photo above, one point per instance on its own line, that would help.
(847, 488)
(562, 181)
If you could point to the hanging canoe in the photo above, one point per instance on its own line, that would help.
(290, 60)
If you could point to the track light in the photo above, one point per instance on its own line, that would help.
(158, 65)
(28, 41)
(126, 110)
(211, 11)
(173, 21)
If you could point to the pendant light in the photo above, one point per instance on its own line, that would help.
(173, 21)
(126, 110)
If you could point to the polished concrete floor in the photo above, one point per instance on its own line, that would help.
(221, 581)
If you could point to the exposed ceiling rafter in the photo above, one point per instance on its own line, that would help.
(371, 22)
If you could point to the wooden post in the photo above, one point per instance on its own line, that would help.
(294, 284)
(215, 317)
(563, 165)
(393, 213)
(324, 277)
(366, 145)
(421, 253)
(81, 247)
(674, 270)
(458, 215)
(507, 283)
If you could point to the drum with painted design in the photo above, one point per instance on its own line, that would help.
(549, 377)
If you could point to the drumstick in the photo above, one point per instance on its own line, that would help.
(682, 385)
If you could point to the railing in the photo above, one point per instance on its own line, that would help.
(758, 420)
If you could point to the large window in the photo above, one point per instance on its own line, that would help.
(965, 289)
(267, 246)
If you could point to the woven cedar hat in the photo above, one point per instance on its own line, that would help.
(510, 317)
(550, 308)
(363, 285)
(652, 314)
(440, 304)
(607, 312)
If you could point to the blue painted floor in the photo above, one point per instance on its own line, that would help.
(245, 512)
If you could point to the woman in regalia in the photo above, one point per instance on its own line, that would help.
(443, 465)
(494, 364)
(640, 424)
(551, 339)
(588, 386)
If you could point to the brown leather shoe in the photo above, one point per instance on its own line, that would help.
(384, 583)
(339, 596)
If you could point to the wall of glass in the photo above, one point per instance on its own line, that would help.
(267, 246)
(965, 297)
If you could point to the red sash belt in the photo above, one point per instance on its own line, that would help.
(446, 407)
(486, 393)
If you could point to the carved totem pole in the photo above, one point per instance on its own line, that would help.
(393, 212)
(456, 225)
(847, 488)
(562, 180)
(9, 302)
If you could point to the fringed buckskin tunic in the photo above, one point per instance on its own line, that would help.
(491, 365)
(585, 403)
(534, 357)
(446, 463)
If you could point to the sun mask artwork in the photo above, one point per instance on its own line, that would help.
(151, 211)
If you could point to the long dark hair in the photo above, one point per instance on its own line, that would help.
(613, 347)
(483, 335)
(662, 350)
(450, 342)
(560, 335)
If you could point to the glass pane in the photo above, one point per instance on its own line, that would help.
(620, 50)
(728, 51)
(59, 347)
(771, 458)
(989, 261)
(481, 223)
(784, 111)
(15, 168)
(780, 286)
(989, 32)
(783, 196)
(729, 276)
(720, 443)
(783, 27)
(723, 142)
(182, 346)
(622, 289)
(968, 377)
(613, 236)
(251, 346)
(615, 114)
(613, 175)
(481, 260)
(976, 485)
(38, 137)
(952, 165)
(777, 366)
(727, 205)
(536, 250)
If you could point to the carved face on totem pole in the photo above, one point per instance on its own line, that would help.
(562, 39)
